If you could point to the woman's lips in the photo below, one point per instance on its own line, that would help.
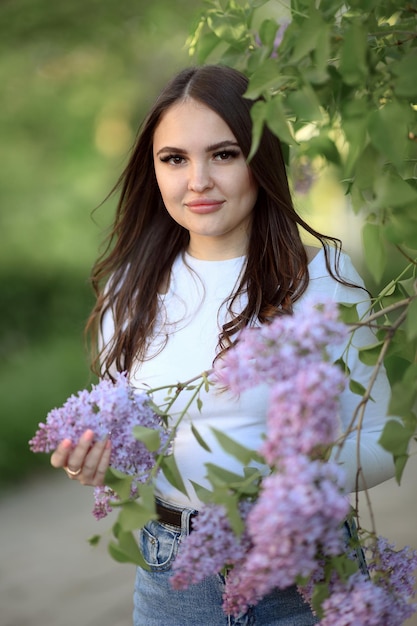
(204, 205)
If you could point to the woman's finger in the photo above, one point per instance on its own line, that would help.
(101, 463)
(96, 463)
(59, 457)
(76, 458)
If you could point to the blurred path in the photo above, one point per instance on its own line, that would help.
(50, 576)
(49, 573)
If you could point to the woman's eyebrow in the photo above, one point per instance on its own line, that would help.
(222, 144)
(211, 148)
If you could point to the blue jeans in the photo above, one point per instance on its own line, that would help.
(157, 604)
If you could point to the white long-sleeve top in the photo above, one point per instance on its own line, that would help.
(192, 313)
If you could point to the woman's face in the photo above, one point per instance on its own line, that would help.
(204, 180)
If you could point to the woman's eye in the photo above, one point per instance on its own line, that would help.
(226, 155)
(173, 159)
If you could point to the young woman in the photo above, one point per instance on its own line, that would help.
(204, 244)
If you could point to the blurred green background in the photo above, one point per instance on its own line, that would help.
(76, 80)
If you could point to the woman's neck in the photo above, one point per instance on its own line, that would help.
(213, 249)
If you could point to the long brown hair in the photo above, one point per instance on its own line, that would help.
(145, 240)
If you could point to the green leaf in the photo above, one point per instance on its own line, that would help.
(395, 438)
(265, 77)
(344, 565)
(374, 249)
(134, 515)
(354, 123)
(171, 473)
(258, 113)
(353, 66)
(267, 32)
(323, 146)
(393, 191)
(400, 227)
(388, 130)
(119, 482)
(219, 476)
(357, 388)
(364, 5)
(277, 120)
(408, 286)
(367, 166)
(147, 497)
(400, 462)
(309, 35)
(207, 43)
(231, 446)
(411, 323)
(203, 494)
(321, 591)
(343, 366)
(232, 30)
(388, 290)
(348, 312)
(369, 354)
(199, 438)
(404, 393)
(299, 9)
(396, 367)
(406, 71)
(94, 540)
(147, 436)
(322, 53)
(331, 7)
(127, 550)
(231, 505)
(305, 105)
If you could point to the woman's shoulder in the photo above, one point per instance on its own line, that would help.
(338, 260)
(312, 252)
(343, 283)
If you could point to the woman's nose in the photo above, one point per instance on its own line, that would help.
(200, 177)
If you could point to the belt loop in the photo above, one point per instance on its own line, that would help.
(186, 517)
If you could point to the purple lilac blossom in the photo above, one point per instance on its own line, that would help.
(211, 546)
(298, 515)
(275, 352)
(302, 412)
(282, 27)
(383, 598)
(360, 601)
(303, 176)
(109, 409)
(394, 571)
(280, 36)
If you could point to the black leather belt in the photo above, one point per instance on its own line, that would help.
(172, 517)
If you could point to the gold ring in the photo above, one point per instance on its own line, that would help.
(72, 473)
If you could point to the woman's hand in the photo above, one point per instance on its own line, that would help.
(87, 462)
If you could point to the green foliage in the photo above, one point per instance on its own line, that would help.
(337, 83)
(77, 78)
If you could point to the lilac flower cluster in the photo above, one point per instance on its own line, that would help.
(276, 352)
(382, 597)
(295, 526)
(108, 409)
(211, 546)
(297, 515)
(302, 503)
(302, 411)
(361, 601)
(393, 571)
